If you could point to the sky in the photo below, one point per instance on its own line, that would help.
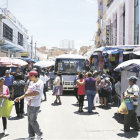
(50, 21)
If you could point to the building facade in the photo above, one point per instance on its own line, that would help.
(101, 32)
(121, 21)
(13, 36)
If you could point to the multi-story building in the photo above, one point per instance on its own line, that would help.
(101, 33)
(67, 44)
(13, 36)
(122, 22)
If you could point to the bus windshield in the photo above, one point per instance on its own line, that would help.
(70, 66)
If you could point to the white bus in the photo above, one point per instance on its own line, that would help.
(69, 65)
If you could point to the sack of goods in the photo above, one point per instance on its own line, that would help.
(123, 108)
(129, 104)
(5, 107)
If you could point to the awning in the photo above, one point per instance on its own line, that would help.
(127, 52)
(100, 49)
(11, 46)
(136, 53)
(111, 51)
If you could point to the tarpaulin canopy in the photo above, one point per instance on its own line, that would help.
(136, 51)
(130, 65)
(11, 62)
(45, 64)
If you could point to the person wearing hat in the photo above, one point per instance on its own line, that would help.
(132, 93)
(104, 85)
(4, 94)
(9, 79)
(33, 95)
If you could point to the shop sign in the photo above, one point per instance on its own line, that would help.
(24, 54)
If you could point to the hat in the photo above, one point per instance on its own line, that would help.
(133, 78)
(1, 78)
(104, 76)
(7, 71)
(95, 72)
(32, 73)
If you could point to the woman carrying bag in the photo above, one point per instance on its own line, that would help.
(81, 91)
(131, 100)
(4, 94)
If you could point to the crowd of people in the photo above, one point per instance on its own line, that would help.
(106, 86)
(32, 85)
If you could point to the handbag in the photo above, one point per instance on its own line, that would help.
(5, 107)
(129, 104)
(96, 99)
(123, 108)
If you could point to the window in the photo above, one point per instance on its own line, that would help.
(20, 39)
(124, 25)
(136, 22)
(7, 32)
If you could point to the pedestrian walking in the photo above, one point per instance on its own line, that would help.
(76, 88)
(44, 78)
(33, 96)
(4, 94)
(131, 95)
(57, 88)
(18, 89)
(9, 79)
(105, 86)
(81, 91)
(91, 90)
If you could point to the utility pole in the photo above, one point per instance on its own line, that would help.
(31, 47)
(35, 50)
(7, 4)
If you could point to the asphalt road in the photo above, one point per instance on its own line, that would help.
(63, 122)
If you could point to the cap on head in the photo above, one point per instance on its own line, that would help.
(95, 72)
(133, 78)
(1, 78)
(104, 76)
(7, 71)
(32, 73)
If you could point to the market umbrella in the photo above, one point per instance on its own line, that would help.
(19, 62)
(4, 61)
(45, 64)
(130, 65)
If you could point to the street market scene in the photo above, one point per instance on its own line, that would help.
(69, 70)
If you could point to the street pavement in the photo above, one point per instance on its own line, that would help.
(63, 122)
